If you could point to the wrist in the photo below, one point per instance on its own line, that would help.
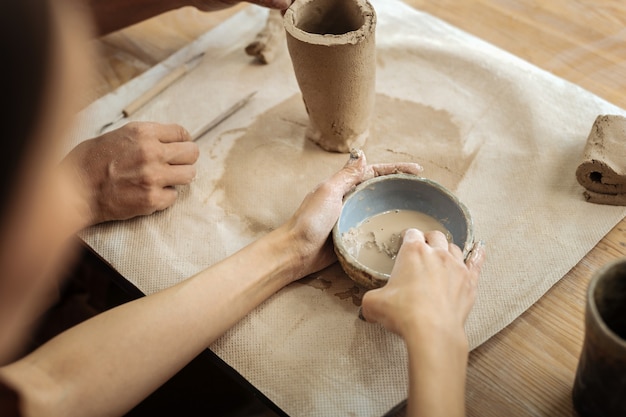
(434, 337)
(71, 196)
(283, 246)
(437, 373)
(309, 247)
(75, 167)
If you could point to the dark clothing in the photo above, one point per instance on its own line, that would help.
(9, 402)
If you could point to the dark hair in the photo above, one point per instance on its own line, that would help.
(26, 47)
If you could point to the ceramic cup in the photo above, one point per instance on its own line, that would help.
(600, 384)
(398, 192)
(332, 48)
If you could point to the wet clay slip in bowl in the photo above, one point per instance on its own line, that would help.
(387, 196)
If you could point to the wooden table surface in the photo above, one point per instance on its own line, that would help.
(528, 368)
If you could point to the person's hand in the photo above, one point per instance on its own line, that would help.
(213, 5)
(312, 223)
(430, 289)
(426, 301)
(132, 171)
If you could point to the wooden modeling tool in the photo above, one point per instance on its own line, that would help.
(161, 85)
(221, 117)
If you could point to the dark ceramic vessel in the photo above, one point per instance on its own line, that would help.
(600, 385)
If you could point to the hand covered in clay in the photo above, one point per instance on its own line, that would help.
(213, 5)
(430, 289)
(426, 301)
(313, 221)
(132, 171)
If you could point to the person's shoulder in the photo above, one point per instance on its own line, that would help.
(9, 401)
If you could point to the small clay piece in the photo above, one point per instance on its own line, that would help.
(603, 169)
(618, 199)
(267, 41)
(333, 52)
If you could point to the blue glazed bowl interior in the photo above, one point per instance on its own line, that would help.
(406, 192)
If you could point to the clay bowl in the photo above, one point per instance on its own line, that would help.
(398, 192)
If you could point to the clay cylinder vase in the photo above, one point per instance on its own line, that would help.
(600, 384)
(333, 51)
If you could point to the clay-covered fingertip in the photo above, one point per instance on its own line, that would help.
(361, 316)
(477, 251)
(355, 153)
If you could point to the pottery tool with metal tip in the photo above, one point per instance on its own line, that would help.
(221, 117)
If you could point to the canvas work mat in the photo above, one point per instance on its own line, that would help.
(503, 135)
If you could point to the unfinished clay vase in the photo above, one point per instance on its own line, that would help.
(600, 382)
(332, 48)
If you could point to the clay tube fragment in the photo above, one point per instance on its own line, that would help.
(332, 48)
(267, 42)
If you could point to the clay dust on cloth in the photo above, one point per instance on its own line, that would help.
(505, 136)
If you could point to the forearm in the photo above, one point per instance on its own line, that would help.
(437, 373)
(109, 363)
(112, 15)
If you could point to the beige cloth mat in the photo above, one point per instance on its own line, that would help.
(504, 135)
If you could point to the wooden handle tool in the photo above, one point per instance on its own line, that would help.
(161, 85)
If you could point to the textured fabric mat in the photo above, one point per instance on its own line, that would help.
(505, 136)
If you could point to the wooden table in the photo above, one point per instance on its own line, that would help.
(528, 368)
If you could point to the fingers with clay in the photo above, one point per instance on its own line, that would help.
(377, 170)
(314, 219)
(429, 281)
(436, 239)
(475, 260)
